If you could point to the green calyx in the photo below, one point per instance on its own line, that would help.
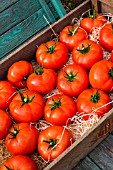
(39, 70)
(51, 143)
(26, 99)
(110, 73)
(74, 31)
(95, 97)
(51, 49)
(8, 167)
(14, 133)
(93, 15)
(70, 77)
(56, 104)
(84, 50)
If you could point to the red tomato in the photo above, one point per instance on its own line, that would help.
(101, 75)
(5, 123)
(53, 141)
(19, 162)
(106, 37)
(93, 101)
(22, 139)
(59, 109)
(27, 106)
(7, 92)
(18, 73)
(72, 80)
(52, 55)
(92, 21)
(86, 53)
(71, 35)
(42, 80)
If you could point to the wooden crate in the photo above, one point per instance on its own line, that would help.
(80, 148)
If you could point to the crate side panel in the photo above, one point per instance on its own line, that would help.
(5, 4)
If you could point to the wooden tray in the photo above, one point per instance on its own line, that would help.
(80, 148)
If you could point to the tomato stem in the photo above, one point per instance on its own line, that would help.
(56, 104)
(14, 133)
(84, 50)
(70, 77)
(52, 48)
(8, 167)
(93, 16)
(110, 73)
(74, 31)
(95, 97)
(51, 143)
(39, 71)
(26, 99)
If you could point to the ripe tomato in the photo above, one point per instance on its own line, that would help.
(52, 55)
(71, 35)
(92, 21)
(5, 123)
(59, 109)
(93, 101)
(86, 53)
(101, 75)
(72, 80)
(18, 73)
(19, 162)
(53, 141)
(106, 37)
(42, 80)
(7, 92)
(21, 139)
(27, 106)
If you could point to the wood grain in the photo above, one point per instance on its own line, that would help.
(5, 4)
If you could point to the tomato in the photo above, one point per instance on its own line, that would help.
(18, 73)
(42, 80)
(27, 106)
(101, 75)
(93, 101)
(53, 141)
(7, 92)
(5, 123)
(52, 55)
(19, 162)
(59, 109)
(92, 21)
(106, 37)
(21, 139)
(86, 53)
(71, 35)
(72, 80)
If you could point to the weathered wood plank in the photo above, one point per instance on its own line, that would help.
(102, 156)
(17, 13)
(86, 164)
(5, 4)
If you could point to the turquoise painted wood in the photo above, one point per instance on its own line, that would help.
(22, 19)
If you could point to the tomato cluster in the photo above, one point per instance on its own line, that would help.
(89, 79)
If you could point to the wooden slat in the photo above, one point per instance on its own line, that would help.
(107, 2)
(86, 164)
(59, 8)
(97, 3)
(5, 4)
(17, 13)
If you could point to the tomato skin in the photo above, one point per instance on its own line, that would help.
(59, 115)
(27, 112)
(100, 76)
(71, 40)
(18, 71)
(43, 83)
(86, 106)
(7, 92)
(76, 86)
(106, 37)
(25, 140)
(54, 133)
(5, 123)
(19, 162)
(52, 60)
(94, 53)
(89, 23)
